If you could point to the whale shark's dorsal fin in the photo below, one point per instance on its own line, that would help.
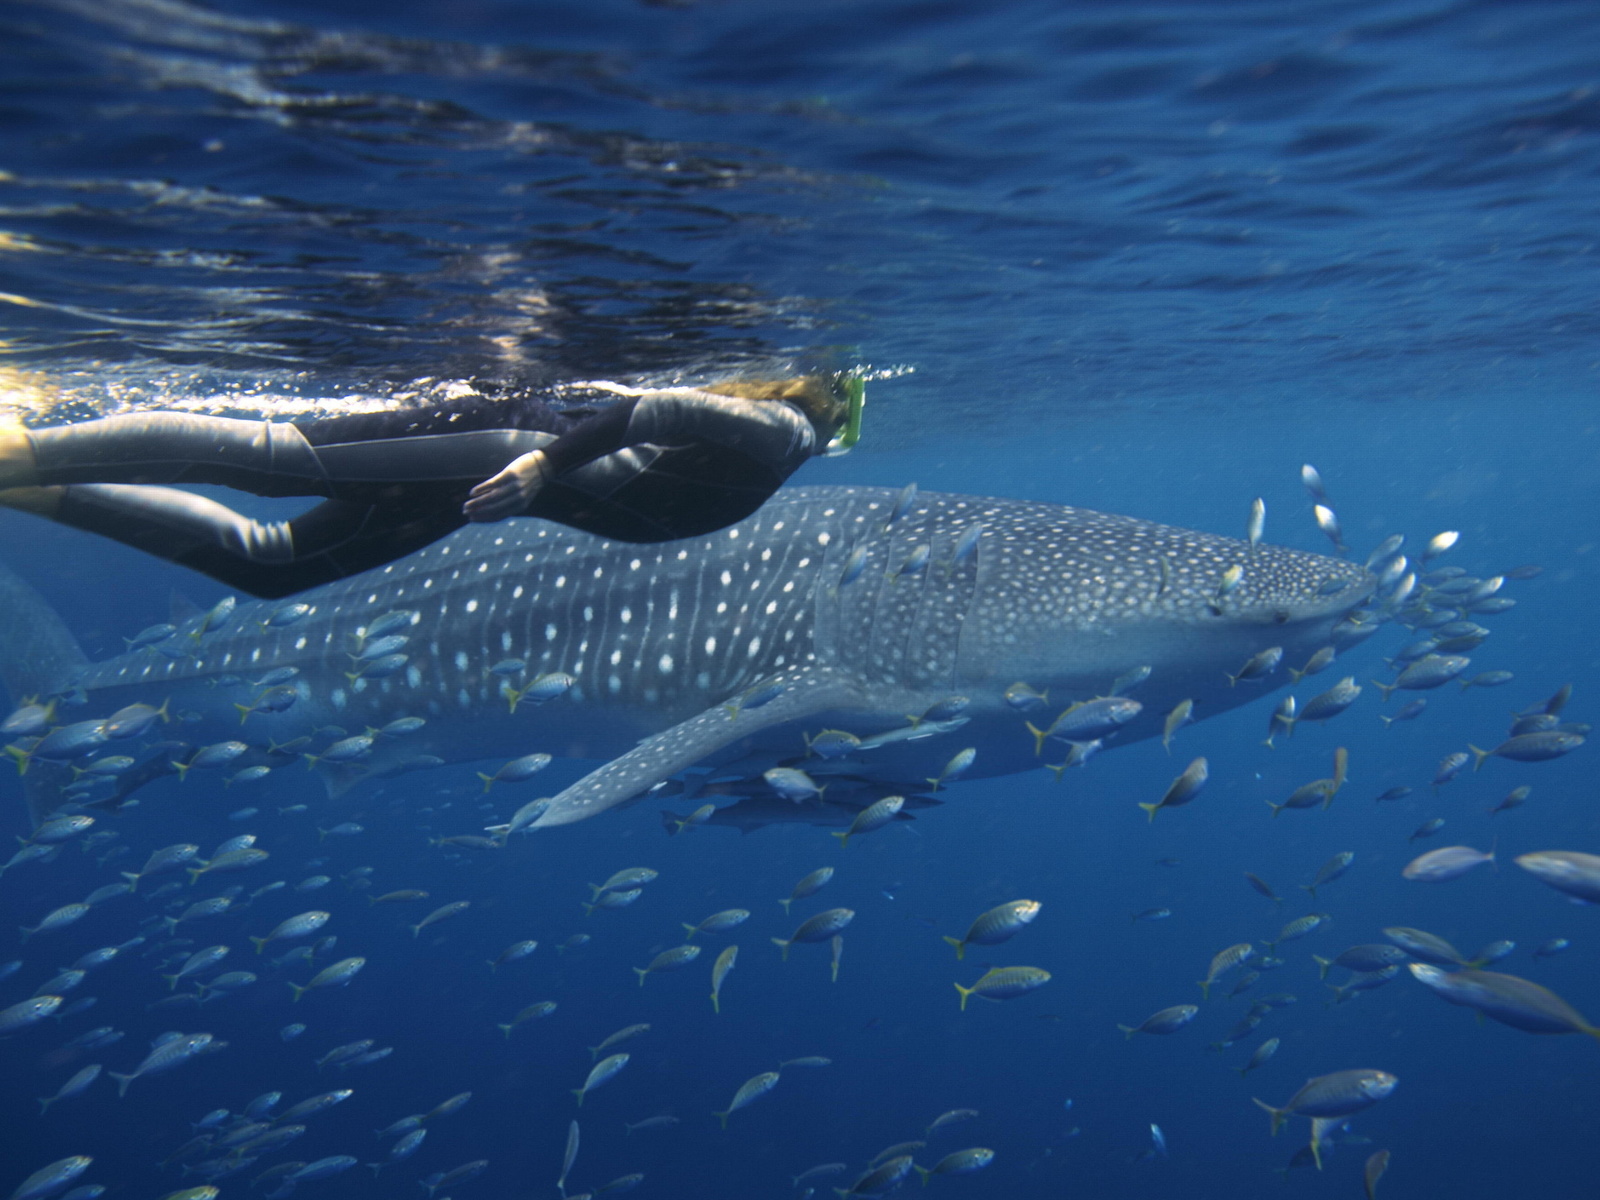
(805, 692)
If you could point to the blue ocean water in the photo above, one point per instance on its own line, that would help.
(1147, 259)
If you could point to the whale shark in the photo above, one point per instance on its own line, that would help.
(853, 609)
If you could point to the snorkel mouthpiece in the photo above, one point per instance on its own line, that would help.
(855, 394)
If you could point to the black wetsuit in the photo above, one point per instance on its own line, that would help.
(647, 468)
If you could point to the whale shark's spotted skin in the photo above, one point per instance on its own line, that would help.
(663, 639)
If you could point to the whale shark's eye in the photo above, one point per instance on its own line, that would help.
(1281, 617)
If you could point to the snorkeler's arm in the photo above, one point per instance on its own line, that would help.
(513, 489)
(776, 434)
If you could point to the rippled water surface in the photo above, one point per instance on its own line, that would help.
(1147, 258)
(1039, 207)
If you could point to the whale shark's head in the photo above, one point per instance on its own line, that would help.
(1075, 598)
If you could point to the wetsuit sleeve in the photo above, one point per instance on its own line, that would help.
(776, 435)
(604, 433)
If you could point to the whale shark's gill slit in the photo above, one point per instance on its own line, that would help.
(930, 610)
(963, 590)
(875, 585)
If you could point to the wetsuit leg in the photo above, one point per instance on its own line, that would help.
(332, 541)
(468, 457)
(269, 458)
(387, 497)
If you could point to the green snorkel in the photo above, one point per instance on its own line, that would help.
(855, 394)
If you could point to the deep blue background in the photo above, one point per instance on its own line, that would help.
(1141, 259)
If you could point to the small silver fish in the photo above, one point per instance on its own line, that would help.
(1312, 481)
(532, 1012)
(513, 953)
(1428, 828)
(1331, 870)
(75, 1086)
(832, 743)
(1531, 747)
(955, 768)
(1130, 679)
(1183, 789)
(1429, 671)
(1024, 698)
(518, 770)
(749, 1091)
(793, 784)
(443, 913)
(1262, 1054)
(1182, 714)
(966, 545)
(1004, 983)
(874, 817)
(337, 975)
(1328, 522)
(612, 900)
(59, 918)
(1168, 1020)
(602, 1072)
(853, 567)
(169, 1054)
(1570, 872)
(719, 972)
(902, 504)
(1438, 544)
(699, 816)
(953, 1117)
(1224, 961)
(1340, 1094)
(1330, 703)
(49, 1180)
(1445, 864)
(674, 959)
(1508, 999)
(916, 562)
(1226, 585)
(999, 924)
(1317, 663)
(1297, 929)
(816, 929)
(627, 878)
(808, 886)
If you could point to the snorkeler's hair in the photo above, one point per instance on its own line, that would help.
(821, 397)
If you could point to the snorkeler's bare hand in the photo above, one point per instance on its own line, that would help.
(509, 492)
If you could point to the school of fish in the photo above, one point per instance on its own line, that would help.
(264, 934)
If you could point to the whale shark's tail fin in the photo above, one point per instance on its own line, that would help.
(38, 657)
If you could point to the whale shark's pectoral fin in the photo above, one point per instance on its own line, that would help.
(805, 693)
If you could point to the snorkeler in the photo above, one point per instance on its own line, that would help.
(652, 466)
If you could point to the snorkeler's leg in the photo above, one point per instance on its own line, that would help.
(466, 456)
(165, 522)
(333, 540)
(16, 457)
(270, 458)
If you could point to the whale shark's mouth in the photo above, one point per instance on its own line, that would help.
(1336, 597)
(1291, 590)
